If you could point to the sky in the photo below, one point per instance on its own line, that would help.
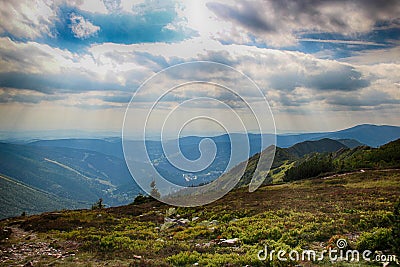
(70, 65)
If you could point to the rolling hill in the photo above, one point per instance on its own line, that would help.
(368, 134)
(284, 159)
(16, 198)
(81, 176)
(346, 160)
(319, 146)
(107, 147)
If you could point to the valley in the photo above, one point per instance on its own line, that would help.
(78, 172)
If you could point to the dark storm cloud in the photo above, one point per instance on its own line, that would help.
(117, 98)
(278, 22)
(313, 9)
(343, 79)
(245, 14)
(28, 57)
(51, 83)
(154, 62)
(144, 59)
(367, 99)
(7, 97)
(223, 57)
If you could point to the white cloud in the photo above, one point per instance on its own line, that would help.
(81, 27)
(43, 68)
(112, 5)
(292, 81)
(376, 56)
(35, 18)
(93, 6)
(349, 42)
(32, 57)
(27, 18)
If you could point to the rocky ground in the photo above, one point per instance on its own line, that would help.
(23, 248)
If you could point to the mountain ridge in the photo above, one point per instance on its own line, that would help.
(17, 198)
(368, 134)
(87, 175)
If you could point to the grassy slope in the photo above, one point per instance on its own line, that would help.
(284, 159)
(303, 214)
(345, 160)
(17, 197)
(78, 175)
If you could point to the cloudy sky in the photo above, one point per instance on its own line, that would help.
(75, 64)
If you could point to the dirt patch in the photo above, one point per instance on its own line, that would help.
(23, 248)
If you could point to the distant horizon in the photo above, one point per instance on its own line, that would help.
(32, 135)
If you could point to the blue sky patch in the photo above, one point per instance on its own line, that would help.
(119, 28)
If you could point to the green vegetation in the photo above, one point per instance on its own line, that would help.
(17, 198)
(317, 158)
(396, 228)
(74, 178)
(310, 167)
(140, 199)
(306, 214)
(345, 160)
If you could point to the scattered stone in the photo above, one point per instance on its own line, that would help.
(5, 233)
(137, 257)
(214, 222)
(25, 250)
(183, 221)
(207, 244)
(167, 219)
(169, 212)
(229, 242)
(168, 225)
(208, 223)
(171, 222)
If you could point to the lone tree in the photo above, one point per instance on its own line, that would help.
(98, 205)
(154, 191)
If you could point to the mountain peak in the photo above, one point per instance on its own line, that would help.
(320, 146)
